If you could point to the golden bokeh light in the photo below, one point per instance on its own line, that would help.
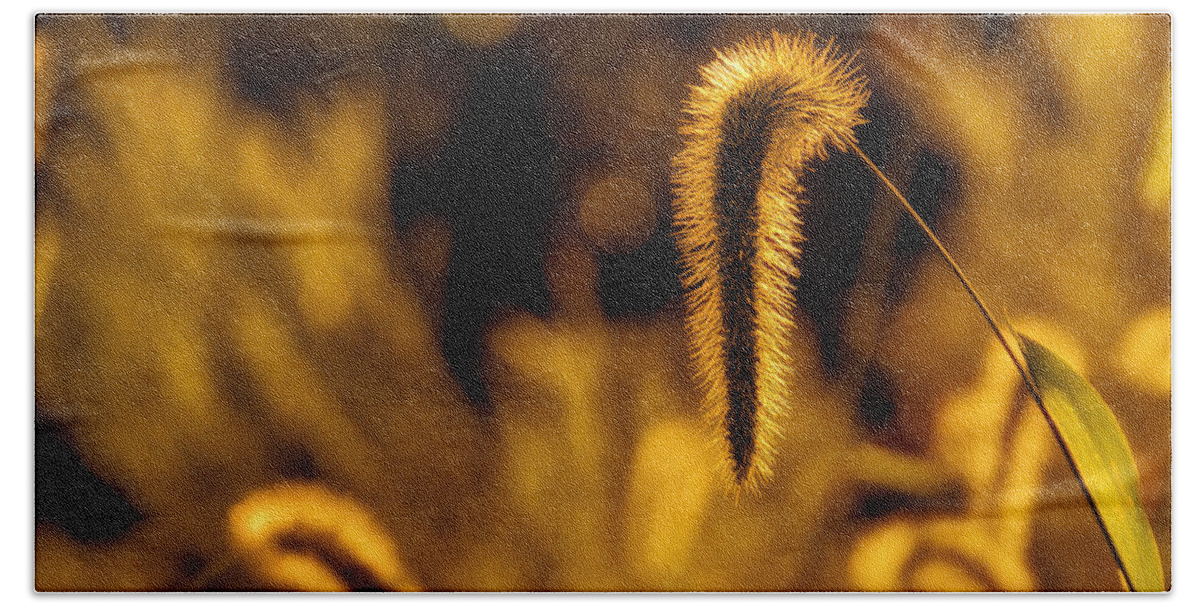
(481, 30)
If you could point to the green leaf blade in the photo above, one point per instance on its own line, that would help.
(1102, 459)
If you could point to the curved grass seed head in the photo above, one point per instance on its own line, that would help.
(768, 107)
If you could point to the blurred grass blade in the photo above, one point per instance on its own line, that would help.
(1102, 460)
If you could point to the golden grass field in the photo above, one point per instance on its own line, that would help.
(393, 302)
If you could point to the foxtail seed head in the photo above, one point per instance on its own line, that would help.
(767, 109)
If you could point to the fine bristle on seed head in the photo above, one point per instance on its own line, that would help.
(766, 109)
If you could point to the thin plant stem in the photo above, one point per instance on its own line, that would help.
(868, 311)
(962, 278)
(1012, 354)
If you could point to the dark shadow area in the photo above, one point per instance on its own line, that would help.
(70, 496)
(497, 173)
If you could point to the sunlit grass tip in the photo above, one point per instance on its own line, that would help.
(767, 108)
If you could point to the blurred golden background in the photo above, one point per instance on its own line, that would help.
(391, 302)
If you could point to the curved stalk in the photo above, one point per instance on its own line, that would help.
(1012, 354)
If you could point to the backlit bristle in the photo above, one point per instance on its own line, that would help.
(766, 109)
